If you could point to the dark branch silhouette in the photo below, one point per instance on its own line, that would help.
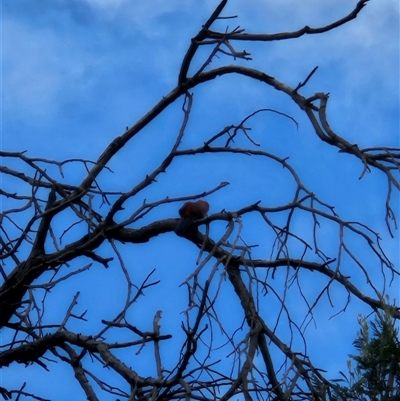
(38, 257)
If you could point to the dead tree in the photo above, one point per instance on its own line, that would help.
(265, 355)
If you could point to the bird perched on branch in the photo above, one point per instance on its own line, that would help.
(190, 212)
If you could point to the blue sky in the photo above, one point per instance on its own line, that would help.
(75, 73)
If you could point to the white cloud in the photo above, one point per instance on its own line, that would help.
(39, 65)
(32, 76)
(145, 15)
(105, 3)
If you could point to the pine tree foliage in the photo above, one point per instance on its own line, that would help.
(376, 372)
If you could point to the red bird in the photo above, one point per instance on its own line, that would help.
(190, 212)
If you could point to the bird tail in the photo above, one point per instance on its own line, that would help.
(184, 224)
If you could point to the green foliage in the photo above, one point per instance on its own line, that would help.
(376, 374)
(378, 364)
